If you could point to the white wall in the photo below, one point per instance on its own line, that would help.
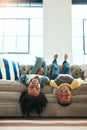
(57, 33)
(57, 29)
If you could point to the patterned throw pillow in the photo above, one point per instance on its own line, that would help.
(9, 70)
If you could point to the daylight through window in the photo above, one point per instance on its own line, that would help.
(21, 29)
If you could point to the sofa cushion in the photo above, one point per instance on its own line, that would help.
(77, 71)
(47, 89)
(84, 69)
(9, 97)
(82, 90)
(51, 98)
(9, 69)
(14, 86)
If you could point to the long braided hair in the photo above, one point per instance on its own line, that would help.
(30, 104)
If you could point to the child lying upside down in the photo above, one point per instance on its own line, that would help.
(65, 83)
(32, 99)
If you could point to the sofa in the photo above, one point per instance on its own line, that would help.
(10, 93)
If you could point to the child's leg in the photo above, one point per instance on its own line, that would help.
(37, 65)
(66, 68)
(45, 67)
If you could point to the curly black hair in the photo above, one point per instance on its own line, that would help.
(30, 104)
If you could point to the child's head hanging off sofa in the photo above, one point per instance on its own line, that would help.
(32, 99)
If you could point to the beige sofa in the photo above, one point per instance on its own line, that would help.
(10, 92)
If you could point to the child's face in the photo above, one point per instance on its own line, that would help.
(34, 87)
(64, 95)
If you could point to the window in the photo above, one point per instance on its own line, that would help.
(85, 36)
(79, 33)
(21, 28)
(14, 35)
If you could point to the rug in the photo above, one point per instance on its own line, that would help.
(44, 122)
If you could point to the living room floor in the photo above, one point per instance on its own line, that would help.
(43, 123)
(44, 128)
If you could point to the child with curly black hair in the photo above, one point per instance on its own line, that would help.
(32, 99)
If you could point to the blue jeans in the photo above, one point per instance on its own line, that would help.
(39, 63)
(66, 68)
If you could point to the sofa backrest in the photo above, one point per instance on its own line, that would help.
(77, 72)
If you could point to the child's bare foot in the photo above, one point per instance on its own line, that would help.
(65, 57)
(55, 56)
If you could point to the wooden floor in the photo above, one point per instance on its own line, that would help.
(33, 122)
(44, 128)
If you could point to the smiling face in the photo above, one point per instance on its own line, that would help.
(64, 96)
(34, 87)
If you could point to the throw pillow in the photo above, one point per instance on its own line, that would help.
(9, 70)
